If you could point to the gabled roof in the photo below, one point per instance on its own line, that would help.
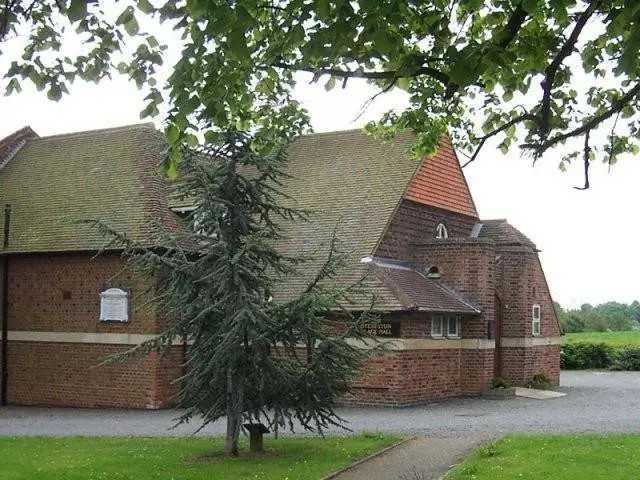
(503, 233)
(402, 287)
(111, 175)
(352, 184)
(10, 145)
(440, 183)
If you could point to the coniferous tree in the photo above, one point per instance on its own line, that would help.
(250, 357)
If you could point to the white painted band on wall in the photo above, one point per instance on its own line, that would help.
(135, 338)
(395, 344)
(518, 342)
(392, 343)
(80, 337)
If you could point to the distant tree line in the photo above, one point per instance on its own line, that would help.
(610, 316)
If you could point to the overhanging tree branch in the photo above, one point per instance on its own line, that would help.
(512, 28)
(384, 75)
(585, 158)
(612, 137)
(368, 103)
(552, 68)
(495, 132)
(618, 105)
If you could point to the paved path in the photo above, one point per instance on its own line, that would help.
(595, 402)
(418, 459)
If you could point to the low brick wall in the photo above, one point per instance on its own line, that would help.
(413, 377)
(520, 364)
(66, 374)
(547, 361)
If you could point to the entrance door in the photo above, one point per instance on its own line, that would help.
(497, 334)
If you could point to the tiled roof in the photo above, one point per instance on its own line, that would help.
(352, 184)
(440, 183)
(503, 233)
(10, 145)
(109, 175)
(401, 287)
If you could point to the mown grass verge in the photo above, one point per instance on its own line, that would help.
(559, 457)
(90, 458)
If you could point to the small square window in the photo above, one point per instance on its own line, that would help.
(436, 326)
(453, 326)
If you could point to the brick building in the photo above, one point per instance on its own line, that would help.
(462, 299)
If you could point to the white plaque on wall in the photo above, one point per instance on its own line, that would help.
(114, 305)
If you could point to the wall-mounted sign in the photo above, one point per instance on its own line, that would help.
(384, 329)
(114, 305)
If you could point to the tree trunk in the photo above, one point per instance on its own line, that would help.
(231, 441)
(235, 400)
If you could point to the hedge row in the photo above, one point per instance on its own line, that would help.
(584, 355)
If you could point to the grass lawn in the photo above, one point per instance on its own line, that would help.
(87, 458)
(615, 339)
(558, 457)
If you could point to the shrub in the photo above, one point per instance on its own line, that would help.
(583, 355)
(627, 358)
(498, 382)
(539, 380)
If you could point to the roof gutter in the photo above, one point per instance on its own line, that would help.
(5, 306)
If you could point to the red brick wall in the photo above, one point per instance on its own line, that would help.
(476, 370)
(415, 222)
(520, 364)
(37, 284)
(416, 326)
(523, 285)
(47, 373)
(547, 362)
(517, 365)
(67, 374)
(413, 377)
(467, 265)
(409, 377)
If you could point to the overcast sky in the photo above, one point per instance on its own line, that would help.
(588, 238)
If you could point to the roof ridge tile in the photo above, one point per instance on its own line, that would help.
(122, 128)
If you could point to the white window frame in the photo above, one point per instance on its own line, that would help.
(440, 326)
(535, 319)
(437, 320)
(456, 320)
(441, 231)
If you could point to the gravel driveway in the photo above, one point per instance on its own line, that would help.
(595, 402)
